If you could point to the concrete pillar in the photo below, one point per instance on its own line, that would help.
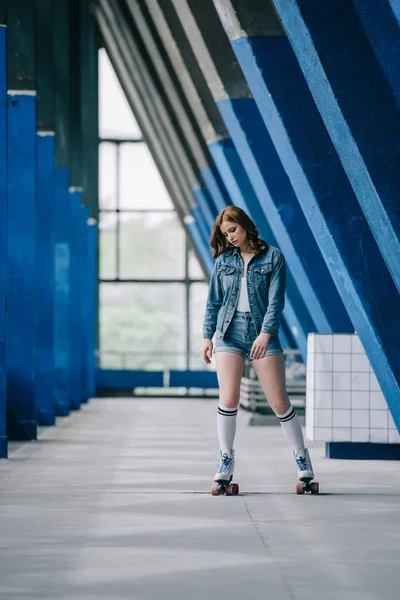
(356, 102)
(21, 257)
(320, 182)
(3, 229)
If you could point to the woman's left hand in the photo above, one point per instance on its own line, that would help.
(260, 346)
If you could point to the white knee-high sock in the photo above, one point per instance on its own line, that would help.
(292, 428)
(226, 425)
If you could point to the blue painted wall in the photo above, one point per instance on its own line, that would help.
(3, 238)
(21, 276)
(45, 401)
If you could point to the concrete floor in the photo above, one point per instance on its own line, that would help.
(114, 504)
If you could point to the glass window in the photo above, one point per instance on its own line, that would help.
(141, 183)
(107, 176)
(143, 324)
(198, 297)
(195, 270)
(152, 246)
(108, 245)
(116, 119)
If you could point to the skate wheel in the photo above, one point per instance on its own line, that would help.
(215, 490)
(299, 488)
(314, 487)
(232, 490)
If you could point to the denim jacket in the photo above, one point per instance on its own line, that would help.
(266, 278)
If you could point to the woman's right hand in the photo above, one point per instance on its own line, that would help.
(207, 351)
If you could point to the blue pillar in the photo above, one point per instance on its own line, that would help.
(92, 273)
(202, 226)
(45, 402)
(328, 201)
(357, 105)
(205, 205)
(62, 284)
(76, 291)
(85, 307)
(21, 276)
(3, 238)
(202, 246)
(216, 188)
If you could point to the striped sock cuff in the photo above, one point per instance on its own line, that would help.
(288, 415)
(227, 412)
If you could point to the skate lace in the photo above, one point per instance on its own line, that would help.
(302, 463)
(225, 464)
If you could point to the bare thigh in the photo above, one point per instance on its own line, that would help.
(270, 371)
(229, 372)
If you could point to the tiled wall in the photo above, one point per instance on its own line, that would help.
(344, 401)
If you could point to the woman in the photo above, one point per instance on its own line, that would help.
(244, 305)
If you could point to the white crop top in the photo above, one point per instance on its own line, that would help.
(243, 302)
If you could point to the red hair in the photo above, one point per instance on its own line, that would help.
(218, 241)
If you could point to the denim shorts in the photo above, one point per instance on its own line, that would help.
(240, 336)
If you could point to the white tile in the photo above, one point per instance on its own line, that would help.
(341, 434)
(323, 343)
(379, 419)
(323, 362)
(323, 399)
(341, 343)
(310, 381)
(377, 401)
(360, 381)
(341, 418)
(309, 418)
(310, 368)
(323, 381)
(310, 395)
(378, 436)
(360, 418)
(341, 381)
(360, 363)
(356, 345)
(374, 383)
(322, 417)
(310, 433)
(359, 399)
(391, 423)
(310, 344)
(342, 363)
(341, 399)
(394, 436)
(360, 435)
(323, 434)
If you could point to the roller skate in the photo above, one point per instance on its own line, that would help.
(223, 477)
(305, 473)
